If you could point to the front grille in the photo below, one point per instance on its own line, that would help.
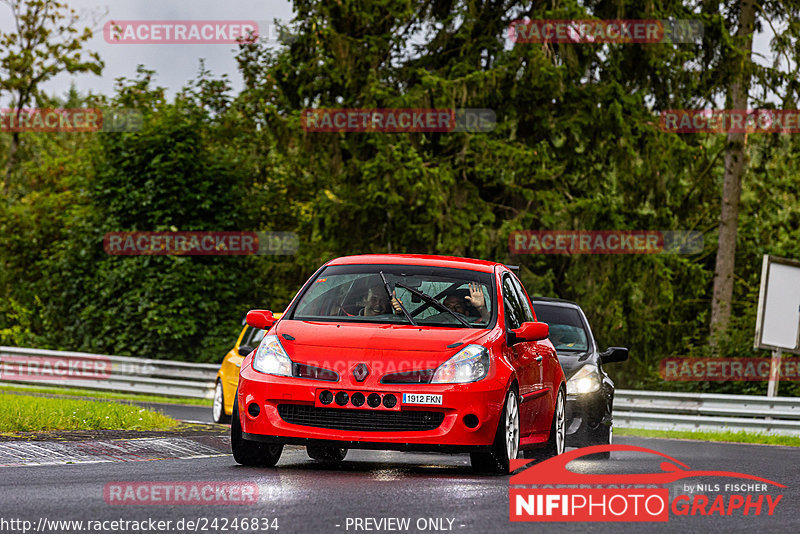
(362, 420)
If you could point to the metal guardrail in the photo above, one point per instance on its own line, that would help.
(47, 368)
(632, 409)
(656, 410)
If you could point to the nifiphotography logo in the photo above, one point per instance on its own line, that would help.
(548, 491)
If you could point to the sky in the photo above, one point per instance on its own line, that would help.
(176, 64)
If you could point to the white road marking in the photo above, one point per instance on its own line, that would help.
(29, 453)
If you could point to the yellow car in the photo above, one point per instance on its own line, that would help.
(228, 374)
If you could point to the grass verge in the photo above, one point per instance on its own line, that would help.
(105, 395)
(728, 436)
(24, 413)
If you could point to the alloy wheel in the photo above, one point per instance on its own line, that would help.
(217, 408)
(512, 426)
(560, 424)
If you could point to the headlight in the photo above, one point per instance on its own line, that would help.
(468, 365)
(270, 358)
(586, 380)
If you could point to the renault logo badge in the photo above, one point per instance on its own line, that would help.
(361, 372)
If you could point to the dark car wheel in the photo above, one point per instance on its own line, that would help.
(326, 453)
(555, 443)
(506, 441)
(248, 452)
(218, 408)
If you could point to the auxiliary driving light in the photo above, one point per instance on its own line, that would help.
(253, 409)
(341, 398)
(357, 399)
(374, 400)
(389, 401)
(326, 397)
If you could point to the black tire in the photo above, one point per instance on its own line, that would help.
(218, 408)
(555, 443)
(506, 440)
(251, 453)
(326, 453)
(602, 435)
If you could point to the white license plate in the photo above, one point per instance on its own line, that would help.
(421, 398)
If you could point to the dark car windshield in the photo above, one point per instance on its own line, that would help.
(566, 328)
(357, 293)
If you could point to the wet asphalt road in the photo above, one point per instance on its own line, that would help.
(306, 497)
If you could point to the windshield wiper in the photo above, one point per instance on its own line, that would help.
(435, 303)
(391, 296)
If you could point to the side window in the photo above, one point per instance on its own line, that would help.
(252, 337)
(513, 307)
(258, 335)
(246, 337)
(527, 313)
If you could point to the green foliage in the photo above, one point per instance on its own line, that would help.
(26, 413)
(729, 436)
(46, 40)
(104, 395)
(173, 175)
(576, 146)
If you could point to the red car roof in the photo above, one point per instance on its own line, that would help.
(418, 259)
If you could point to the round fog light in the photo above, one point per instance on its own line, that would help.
(471, 420)
(374, 400)
(342, 397)
(357, 399)
(326, 397)
(389, 400)
(253, 409)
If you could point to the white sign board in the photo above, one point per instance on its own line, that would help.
(778, 322)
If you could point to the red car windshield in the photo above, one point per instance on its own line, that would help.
(358, 293)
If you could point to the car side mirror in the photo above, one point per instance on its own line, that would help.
(531, 331)
(244, 350)
(261, 319)
(614, 354)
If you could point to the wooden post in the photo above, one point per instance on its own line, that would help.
(774, 373)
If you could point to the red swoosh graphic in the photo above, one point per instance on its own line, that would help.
(553, 471)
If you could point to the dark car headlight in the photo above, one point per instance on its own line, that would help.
(586, 380)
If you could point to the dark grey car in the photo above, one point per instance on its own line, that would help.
(590, 391)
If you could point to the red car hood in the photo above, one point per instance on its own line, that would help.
(339, 346)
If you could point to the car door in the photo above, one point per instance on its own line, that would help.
(544, 358)
(521, 355)
(536, 347)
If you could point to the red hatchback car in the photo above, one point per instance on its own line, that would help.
(402, 352)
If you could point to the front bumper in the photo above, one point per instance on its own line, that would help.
(584, 415)
(482, 401)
